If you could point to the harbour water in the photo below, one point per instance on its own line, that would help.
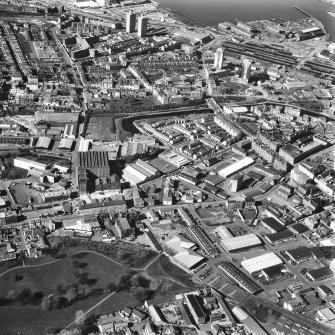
(211, 12)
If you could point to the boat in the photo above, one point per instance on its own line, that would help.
(331, 14)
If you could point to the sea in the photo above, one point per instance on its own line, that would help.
(212, 12)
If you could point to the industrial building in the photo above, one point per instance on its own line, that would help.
(236, 167)
(188, 179)
(133, 175)
(319, 274)
(238, 243)
(156, 314)
(196, 309)
(43, 143)
(246, 26)
(84, 145)
(70, 131)
(139, 172)
(213, 180)
(249, 322)
(241, 31)
(326, 314)
(184, 254)
(310, 33)
(95, 162)
(239, 277)
(27, 164)
(259, 263)
(61, 169)
(272, 224)
(282, 236)
(56, 119)
(66, 144)
(272, 272)
(293, 154)
(173, 158)
(299, 255)
(203, 240)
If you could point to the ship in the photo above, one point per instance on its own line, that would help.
(331, 14)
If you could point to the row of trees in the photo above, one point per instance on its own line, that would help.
(135, 284)
(23, 297)
(129, 254)
(66, 296)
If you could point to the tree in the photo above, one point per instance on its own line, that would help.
(79, 317)
(111, 287)
(25, 296)
(47, 303)
(71, 294)
(60, 289)
(55, 301)
(140, 281)
(12, 295)
(144, 294)
(18, 277)
(84, 290)
(74, 331)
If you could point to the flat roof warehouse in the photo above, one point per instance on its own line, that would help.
(256, 264)
(235, 167)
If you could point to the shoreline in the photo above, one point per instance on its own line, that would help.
(330, 2)
(196, 22)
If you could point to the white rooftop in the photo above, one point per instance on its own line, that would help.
(261, 262)
(235, 167)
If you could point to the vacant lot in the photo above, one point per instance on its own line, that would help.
(21, 194)
(31, 318)
(213, 216)
(101, 128)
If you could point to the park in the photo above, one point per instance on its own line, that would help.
(44, 297)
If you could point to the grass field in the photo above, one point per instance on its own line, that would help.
(32, 319)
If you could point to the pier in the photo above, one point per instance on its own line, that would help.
(303, 11)
(313, 18)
